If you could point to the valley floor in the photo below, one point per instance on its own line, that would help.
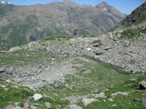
(68, 75)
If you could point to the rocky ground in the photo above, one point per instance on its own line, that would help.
(109, 48)
(105, 72)
(128, 53)
(71, 73)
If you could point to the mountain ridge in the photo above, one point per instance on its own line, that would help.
(54, 19)
(137, 16)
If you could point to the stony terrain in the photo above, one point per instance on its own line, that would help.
(56, 61)
(124, 52)
(77, 72)
(69, 77)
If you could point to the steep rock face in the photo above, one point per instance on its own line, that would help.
(55, 19)
(137, 16)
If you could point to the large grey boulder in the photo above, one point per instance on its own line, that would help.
(142, 85)
(37, 96)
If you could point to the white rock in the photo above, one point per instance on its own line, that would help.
(53, 59)
(48, 105)
(110, 99)
(3, 86)
(88, 49)
(100, 95)
(114, 105)
(6, 89)
(74, 106)
(120, 93)
(37, 96)
(132, 79)
(8, 81)
(87, 101)
(14, 49)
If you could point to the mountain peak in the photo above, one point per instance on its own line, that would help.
(66, 1)
(106, 7)
(103, 5)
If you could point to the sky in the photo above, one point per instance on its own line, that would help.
(125, 6)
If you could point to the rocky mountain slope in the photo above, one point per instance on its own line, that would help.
(23, 24)
(126, 45)
(77, 72)
(136, 17)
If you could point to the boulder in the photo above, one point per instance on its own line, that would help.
(142, 85)
(37, 96)
(100, 95)
(14, 49)
(87, 101)
(110, 99)
(48, 105)
(8, 81)
(2, 70)
(3, 86)
(119, 93)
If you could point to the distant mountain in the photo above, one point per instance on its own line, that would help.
(22, 24)
(105, 7)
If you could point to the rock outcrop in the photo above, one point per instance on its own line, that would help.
(138, 15)
(142, 85)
